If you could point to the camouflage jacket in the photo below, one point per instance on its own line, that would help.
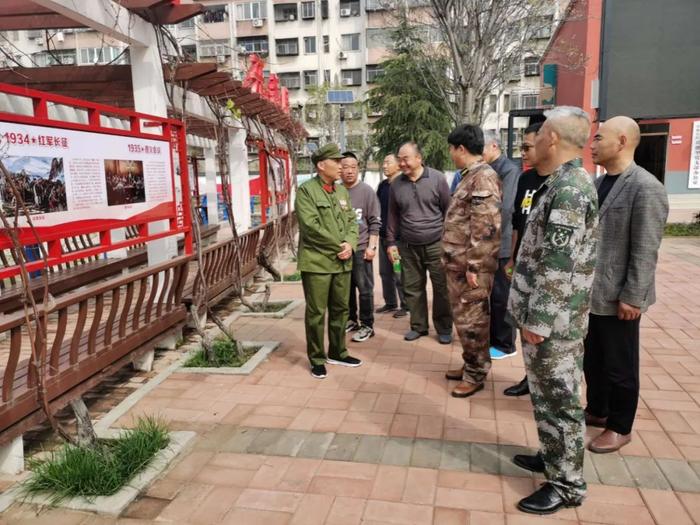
(551, 288)
(472, 231)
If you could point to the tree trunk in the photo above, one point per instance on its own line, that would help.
(86, 432)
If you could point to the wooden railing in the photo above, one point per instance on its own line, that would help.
(219, 263)
(92, 333)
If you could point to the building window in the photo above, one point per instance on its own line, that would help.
(287, 46)
(308, 10)
(351, 42)
(290, 80)
(190, 51)
(349, 8)
(95, 55)
(212, 48)
(309, 45)
(374, 72)
(186, 24)
(375, 5)
(506, 103)
(326, 44)
(532, 66)
(254, 44)
(493, 102)
(251, 10)
(310, 78)
(378, 37)
(351, 77)
(324, 9)
(545, 29)
(286, 12)
(214, 13)
(67, 57)
(326, 76)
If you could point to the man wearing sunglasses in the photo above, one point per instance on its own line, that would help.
(529, 182)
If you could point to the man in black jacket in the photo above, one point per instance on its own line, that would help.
(502, 333)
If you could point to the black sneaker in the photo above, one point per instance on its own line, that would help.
(351, 326)
(384, 309)
(345, 361)
(364, 333)
(319, 371)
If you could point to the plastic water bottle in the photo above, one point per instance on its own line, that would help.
(396, 261)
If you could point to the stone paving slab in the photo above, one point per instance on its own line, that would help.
(485, 458)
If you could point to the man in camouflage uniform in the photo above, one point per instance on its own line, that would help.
(327, 238)
(549, 302)
(470, 242)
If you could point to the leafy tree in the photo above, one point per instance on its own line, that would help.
(409, 108)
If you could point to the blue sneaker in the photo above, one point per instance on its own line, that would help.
(497, 353)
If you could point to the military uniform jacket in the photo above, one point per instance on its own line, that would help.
(551, 288)
(472, 231)
(325, 221)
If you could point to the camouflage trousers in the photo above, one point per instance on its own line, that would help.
(554, 370)
(471, 316)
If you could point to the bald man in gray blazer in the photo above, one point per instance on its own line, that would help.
(633, 208)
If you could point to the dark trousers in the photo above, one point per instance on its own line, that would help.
(362, 283)
(502, 333)
(325, 291)
(391, 281)
(417, 262)
(611, 366)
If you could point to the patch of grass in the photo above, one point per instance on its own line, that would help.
(296, 276)
(224, 355)
(101, 471)
(682, 229)
(272, 307)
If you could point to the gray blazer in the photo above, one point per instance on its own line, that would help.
(630, 230)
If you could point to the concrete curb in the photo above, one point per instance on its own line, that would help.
(111, 505)
(293, 303)
(267, 347)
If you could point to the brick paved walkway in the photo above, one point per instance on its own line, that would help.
(386, 444)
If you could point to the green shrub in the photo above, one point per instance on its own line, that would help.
(682, 229)
(101, 471)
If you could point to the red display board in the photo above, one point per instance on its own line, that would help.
(87, 178)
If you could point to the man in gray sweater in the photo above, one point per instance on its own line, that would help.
(418, 203)
(366, 205)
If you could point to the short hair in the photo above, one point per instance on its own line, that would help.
(391, 154)
(533, 128)
(410, 143)
(349, 155)
(491, 136)
(572, 124)
(468, 135)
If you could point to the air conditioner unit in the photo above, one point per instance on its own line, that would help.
(60, 37)
(221, 59)
(39, 42)
(291, 18)
(342, 55)
(347, 82)
(345, 12)
(312, 114)
(258, 22)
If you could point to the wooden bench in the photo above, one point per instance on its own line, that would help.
(92, 333)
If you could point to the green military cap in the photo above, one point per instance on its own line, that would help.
(329, 151)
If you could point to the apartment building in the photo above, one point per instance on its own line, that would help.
(307, 43)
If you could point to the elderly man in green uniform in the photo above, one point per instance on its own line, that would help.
(549, 302)
(327, 238)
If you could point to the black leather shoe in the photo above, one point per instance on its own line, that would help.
(545, 500)
(521, 389)
(532, 463)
